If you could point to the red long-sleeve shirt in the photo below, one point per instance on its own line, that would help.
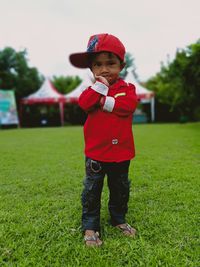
(108, 128)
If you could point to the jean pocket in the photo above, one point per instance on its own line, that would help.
(95, 166)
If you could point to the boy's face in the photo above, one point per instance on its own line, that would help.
(107, 65)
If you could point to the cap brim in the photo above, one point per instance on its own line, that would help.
(79, 60)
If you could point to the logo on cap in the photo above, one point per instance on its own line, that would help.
(92, 44)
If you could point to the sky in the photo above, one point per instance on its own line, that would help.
(50, 30)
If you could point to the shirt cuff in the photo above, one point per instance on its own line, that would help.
(100, 88)
(109, 103)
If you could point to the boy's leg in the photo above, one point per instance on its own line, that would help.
(119, 186)
(91, 195)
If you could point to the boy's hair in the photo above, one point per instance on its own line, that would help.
(92, 56)
(98, 43)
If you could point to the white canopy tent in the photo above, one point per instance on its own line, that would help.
(144, 95)
(46, 94)
(73, 96)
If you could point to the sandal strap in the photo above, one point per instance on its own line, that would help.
(93, 237)
(126, 227)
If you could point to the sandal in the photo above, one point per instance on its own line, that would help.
(93, 240)
(127, 229)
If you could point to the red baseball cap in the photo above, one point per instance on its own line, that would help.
(98, 43)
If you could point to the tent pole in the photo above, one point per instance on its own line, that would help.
(61, 106)
(20, 113)
(153, 109)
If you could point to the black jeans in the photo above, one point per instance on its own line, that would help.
(119, 187)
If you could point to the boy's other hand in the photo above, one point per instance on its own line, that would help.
(102, 79)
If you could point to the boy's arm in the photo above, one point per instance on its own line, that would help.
(122, 104)
(89, 99)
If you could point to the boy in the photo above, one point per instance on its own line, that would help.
(109, 145)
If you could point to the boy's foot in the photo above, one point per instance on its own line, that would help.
(92, 239)
(126, 229)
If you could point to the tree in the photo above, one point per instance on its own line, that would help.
(178, 82)
(16, 74)
(66, 84)
(129, 63)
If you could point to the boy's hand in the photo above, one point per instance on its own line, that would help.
(102, 79)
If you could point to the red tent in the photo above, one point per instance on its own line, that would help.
(73, 96)
(46, 94)
(144, 95)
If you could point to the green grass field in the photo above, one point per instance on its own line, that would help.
(41, 173)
